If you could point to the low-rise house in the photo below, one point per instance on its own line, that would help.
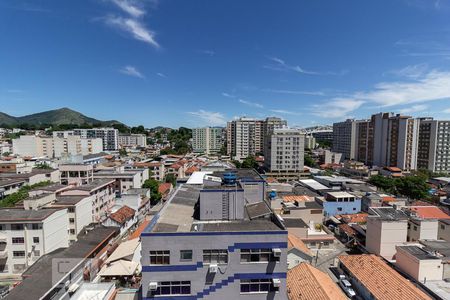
(444, 230)
(103, 197)
(124, 218)
(137, 199)
(79, 210)
(26, 235)
(35, 176)
(372, 278)
(298, 252)
(165, 189)
(308, 211)
(125, 179)
(419, 263)
(386, 228)
(422, 229)
(336, 203)
(391, 172)
(304, 282)
(10, 186)
(76, 173)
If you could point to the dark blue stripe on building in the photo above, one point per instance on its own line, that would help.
(198, 233)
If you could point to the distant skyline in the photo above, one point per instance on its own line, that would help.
(197, 63)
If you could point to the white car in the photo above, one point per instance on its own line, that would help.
(346, 286)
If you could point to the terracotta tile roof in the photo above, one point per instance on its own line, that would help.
(295, 242)
(192, 170)
(347, 229)
(354, 218)
(397, 175)
(429, 212)
(271, 180)
(122, 214)
(383, 282)
(393, 169)
(139, 230)
(175, 166)
(164, 187)
(293, 198)
(147, 164)
(389, 199)
(421, 203)
(304, 282)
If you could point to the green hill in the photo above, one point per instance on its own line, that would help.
(54, 117)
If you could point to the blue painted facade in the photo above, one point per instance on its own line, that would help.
(331, 208)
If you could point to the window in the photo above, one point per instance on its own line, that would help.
(18, 240)
(36, 226)
(173, 288)
(72, 231)
(219, 256)
(36, 240)
(442, 227)
(256, 255)
(185, 255)
(16, 226)
(71, 220)
(160, 257)
(415, 228)
(339, 208)
(257, 286)
(18, 253)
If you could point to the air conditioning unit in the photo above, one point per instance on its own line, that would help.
(152, 286)
(276, 252)
(213, 268)
(276, 282)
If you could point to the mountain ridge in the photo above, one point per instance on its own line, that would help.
(59, 116)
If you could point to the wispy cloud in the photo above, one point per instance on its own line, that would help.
(279, 64)
(132, 23)
(447, 111)
(285, 112)
(336, 108)
(433, 45)
(250, 103)
(434, 85)
(207, 52)
(293, 92)
(15, 91)
(414, 109)
(209, 117)
(161, 75)
(413, 71)
(228, 95)
(131, 71)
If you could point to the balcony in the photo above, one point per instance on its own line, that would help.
(3, 251)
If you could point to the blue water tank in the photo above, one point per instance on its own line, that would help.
(229, 178)
(272, 194)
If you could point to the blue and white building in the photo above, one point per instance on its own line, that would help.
(336, 203)
(216, 240)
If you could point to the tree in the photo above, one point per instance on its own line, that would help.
(249, 163)
(6, 153)
(43, 166)
(170, 178)
(153, 185)
(123, 152)
(414, 187)
(384, 183)
(309, 161)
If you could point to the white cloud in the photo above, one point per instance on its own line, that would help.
(285, 112)
(309, 93)
(228, 95)
(207, 52)
(414, 109)
(209, 117)
(134, 27)
(434, 85)
(131, 71)
(337, 108)
(161, 75)
(130, 7)
(281, 65)
(249, 103)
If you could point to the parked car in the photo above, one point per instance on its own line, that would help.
(346, 286)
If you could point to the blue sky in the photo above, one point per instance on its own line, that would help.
(194, 63)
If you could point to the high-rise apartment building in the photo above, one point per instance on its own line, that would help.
(109, 136)
(284, 151)
(344, 138)
(388, 140)
(246, 136)
(208, 140)
(434, 145)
